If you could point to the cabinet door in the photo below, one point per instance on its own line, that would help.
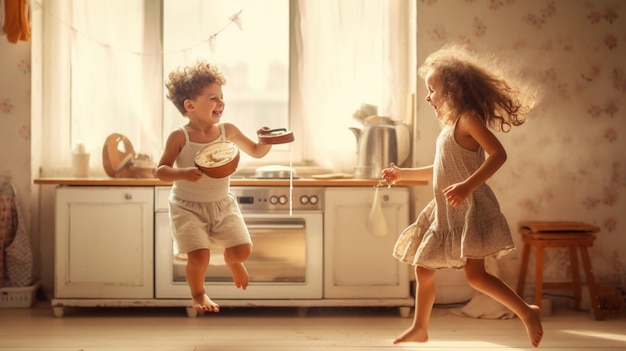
(104, 242)
(357, 263)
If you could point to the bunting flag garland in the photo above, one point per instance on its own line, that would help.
(235, 18)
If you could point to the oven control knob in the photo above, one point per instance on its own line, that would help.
(313, 200)
(282, 199)
(273, 200)
(304, 199)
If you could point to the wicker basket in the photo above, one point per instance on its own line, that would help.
(18, 297)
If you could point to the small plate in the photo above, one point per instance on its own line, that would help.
(276, 136)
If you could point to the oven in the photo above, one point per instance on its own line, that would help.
(286, 226)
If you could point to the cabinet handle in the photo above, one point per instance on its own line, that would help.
(128, 196)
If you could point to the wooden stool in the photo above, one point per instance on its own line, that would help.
(546, 234)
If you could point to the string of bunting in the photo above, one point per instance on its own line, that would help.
(235, 19)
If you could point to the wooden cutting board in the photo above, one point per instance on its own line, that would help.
(117, 156)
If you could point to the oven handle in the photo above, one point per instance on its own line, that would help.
(275, 226)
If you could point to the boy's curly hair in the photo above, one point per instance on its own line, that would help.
(470, 83)
(188, 82)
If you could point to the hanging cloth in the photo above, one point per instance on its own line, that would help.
(16, 23)
(16, 256)
(483, 306)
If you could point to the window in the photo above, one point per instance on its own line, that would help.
(303, 65)
(249, 42)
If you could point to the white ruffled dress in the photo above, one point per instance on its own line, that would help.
(445, 236)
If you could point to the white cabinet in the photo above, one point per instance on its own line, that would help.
(104, 242)
(357, 263)
(104, 250)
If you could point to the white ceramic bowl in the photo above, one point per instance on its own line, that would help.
(218, 160)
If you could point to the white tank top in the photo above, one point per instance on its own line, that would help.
(206, 189)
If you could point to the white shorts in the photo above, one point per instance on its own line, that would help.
(207, 225)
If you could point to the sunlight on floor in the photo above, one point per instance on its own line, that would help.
(454, 345)
(598, 335)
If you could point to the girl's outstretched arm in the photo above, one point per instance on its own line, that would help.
(395, 174)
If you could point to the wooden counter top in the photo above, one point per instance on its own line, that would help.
(299, 182)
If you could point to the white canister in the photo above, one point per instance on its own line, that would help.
(80, 162)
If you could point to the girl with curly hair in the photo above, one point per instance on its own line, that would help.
(463, 224)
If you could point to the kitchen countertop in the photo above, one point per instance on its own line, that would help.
(297, 182)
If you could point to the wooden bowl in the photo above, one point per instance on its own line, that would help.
(276, 136)
(218, 160)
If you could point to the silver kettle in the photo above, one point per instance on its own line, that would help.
(381, 141)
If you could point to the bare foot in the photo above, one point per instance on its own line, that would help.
(413, 334)
(533, 325)
(201, 302)
(240, 275)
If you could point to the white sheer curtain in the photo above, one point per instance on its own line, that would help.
(102, 63)
(102, 75)
(249, 41)
(351, 52)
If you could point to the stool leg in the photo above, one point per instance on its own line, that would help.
(521, 279)
(539, 275)
(591, 282)
(573, 256)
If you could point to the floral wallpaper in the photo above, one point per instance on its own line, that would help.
(566, 163)
(15, 119)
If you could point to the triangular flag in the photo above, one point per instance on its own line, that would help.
(236, 18)
(212, 42)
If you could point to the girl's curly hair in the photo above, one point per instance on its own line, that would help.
(470, 83)
(188, 82)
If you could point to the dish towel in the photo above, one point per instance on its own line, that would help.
(16, 256)
(483, 306)
(16, 20)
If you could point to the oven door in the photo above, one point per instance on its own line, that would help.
(286, 260)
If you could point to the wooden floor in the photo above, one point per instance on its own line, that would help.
(289, 329)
